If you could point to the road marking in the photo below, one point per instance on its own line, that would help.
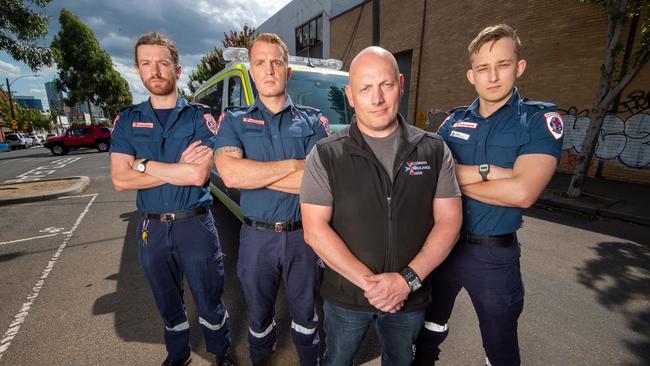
(80, 196)
(26, 239)
(43, 171)
(23, 312)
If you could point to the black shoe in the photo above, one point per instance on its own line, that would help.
(226, 361)
(182, 362)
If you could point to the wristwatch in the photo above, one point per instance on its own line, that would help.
(484, 170)
(142, 166)
(411, 278)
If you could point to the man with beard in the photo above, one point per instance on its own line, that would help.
(162, 149)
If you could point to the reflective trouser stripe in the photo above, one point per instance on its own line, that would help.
(436, 327)
(300, 329)
(180, 327)
(214, 326)
(266, 332)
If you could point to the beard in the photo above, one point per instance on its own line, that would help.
(161, 89)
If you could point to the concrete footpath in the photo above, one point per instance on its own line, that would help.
(605, 198)
(40, 190)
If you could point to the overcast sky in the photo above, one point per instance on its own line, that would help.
(197, 26)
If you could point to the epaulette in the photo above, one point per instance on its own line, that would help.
(453, 110)
(536, 103)
(308, 108)
(125, 108)
(197, 104)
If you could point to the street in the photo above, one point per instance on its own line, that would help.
(73, 293)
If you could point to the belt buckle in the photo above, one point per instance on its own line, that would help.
(278, 227)
(167, 217)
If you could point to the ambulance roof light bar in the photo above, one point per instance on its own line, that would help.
(238, 54)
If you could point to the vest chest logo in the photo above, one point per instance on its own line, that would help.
(413, 168)
(142, 124)
(253, 121)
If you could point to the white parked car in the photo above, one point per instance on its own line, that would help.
(17, 141)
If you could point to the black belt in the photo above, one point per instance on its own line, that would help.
(177, 215)
(278, 227)
(504, 240)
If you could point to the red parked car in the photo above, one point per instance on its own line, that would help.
(94, 137)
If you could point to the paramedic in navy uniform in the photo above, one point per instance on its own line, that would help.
(507, 149)
(161, 148)
(261, 150)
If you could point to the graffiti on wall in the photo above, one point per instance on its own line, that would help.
(625, 139)
(625, 134)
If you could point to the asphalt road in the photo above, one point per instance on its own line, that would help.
(73, 294)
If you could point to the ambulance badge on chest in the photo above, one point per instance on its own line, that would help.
(211, 124)
(554, 124)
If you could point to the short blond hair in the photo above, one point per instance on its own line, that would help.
(492, 34)
(273, 39)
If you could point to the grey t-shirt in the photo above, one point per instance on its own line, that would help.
(315, 188)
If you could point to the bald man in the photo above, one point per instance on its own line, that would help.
(370, 196)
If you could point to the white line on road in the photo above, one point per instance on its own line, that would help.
(19, 318)
(80, 196)
(26, 239)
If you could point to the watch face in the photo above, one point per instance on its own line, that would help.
(141, 167)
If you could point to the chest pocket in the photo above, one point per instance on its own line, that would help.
(503, 148)
(296, 138)
(463, 150)
(257, 142)
(146, 142)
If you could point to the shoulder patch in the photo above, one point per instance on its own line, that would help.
(326, 124)
(211, 124)
(117, 118)
(554, 124)
(443, 122)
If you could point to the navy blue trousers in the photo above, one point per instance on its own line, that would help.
(265, 257)
(492, 278)
(188, 247)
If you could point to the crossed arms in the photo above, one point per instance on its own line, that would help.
(192, 169)
(239, 172)
(385, 291)
(516, 187)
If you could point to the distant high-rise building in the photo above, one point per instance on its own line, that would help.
(29, 102)
(54, 97)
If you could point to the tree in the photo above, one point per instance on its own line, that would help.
(611, 86)
(20, 27)
(243, 38)
(209, 65)
(82, 64)
(212, 63)
(114, 93)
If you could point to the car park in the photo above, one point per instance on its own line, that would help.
(317, 83)
(76, 137)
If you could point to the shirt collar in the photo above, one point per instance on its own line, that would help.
(513, 102)
(146, 107)
(288, 103)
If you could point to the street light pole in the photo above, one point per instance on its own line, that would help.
(11, 101)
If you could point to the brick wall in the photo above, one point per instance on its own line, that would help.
(563, 43)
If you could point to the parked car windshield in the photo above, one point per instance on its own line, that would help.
(11, 137)
(322, 91)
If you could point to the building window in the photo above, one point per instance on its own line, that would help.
(309, 38)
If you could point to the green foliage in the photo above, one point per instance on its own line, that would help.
(212, 63)
(209, 65)
(114, 93)
(86, 71)
(20, 26)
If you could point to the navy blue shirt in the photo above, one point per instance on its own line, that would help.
(264, 136)
(137, 132)
(519, 127)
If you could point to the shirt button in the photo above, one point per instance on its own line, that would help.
(275, 136)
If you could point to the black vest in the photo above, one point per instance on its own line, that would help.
(384, 224)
